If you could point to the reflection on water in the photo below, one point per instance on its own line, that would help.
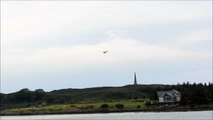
(195, 115)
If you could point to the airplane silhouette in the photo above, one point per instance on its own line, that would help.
(104, 52)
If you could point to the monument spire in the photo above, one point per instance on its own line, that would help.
(135, 79)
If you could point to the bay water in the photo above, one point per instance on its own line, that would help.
(191, 115)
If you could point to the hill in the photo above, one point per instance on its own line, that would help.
(107, 93)
(191, 94)
(26, 98)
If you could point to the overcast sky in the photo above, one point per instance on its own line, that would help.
(54, 45)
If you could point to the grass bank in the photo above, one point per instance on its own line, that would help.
(98, 107)
(76, 108)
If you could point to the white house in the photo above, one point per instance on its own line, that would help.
(169, 96)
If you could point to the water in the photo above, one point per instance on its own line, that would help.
(193, 115)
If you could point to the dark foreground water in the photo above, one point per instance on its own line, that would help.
(195, 115)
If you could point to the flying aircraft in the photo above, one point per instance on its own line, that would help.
(104, 52)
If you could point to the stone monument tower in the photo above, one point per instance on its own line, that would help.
(135, 79)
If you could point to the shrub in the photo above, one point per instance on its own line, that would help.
(155, 103)
(148, 103)
(41, 104)
(138, 106)
(119, 106)
(104, 106)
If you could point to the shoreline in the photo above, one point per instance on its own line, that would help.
(94, 111)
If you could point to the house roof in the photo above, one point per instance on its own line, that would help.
(170, 93)
(174, 91)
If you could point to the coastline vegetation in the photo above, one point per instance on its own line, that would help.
(105, 99)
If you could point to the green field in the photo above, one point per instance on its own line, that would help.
(128, 104)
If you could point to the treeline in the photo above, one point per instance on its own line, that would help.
(24, 95)
(22, 98)
(191, 94)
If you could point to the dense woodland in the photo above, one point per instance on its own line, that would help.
(191, 94)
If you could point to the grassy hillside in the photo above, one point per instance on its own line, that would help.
(191, 94)
(107, 93)
(26, 98)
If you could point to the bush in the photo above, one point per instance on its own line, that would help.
(119, 106)
(148, 103)
(155, 103)
(138, 106)
(41, 104)
(104, 106)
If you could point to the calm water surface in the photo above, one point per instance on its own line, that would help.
(195, 115)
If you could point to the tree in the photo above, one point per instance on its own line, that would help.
(24, 95)
(39, 94)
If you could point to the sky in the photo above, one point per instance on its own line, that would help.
(59, 44)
